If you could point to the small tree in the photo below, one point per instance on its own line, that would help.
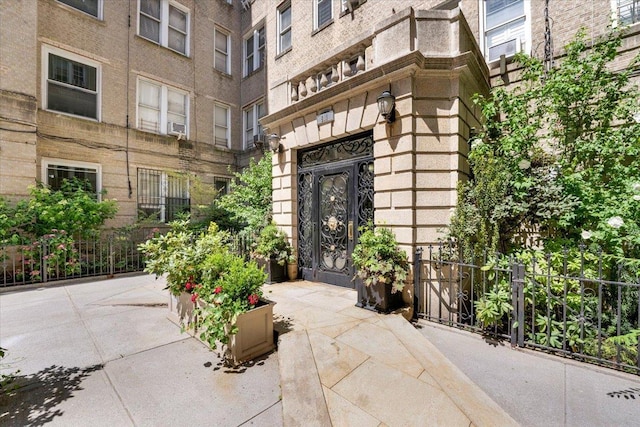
(559, 155)
(249, 200)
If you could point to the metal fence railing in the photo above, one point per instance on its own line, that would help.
(58, 256)
(576, 304)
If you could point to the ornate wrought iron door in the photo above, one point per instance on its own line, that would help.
(335, 197)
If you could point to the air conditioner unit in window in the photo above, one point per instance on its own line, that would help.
(174, 128)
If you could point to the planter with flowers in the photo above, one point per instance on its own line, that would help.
(215, 294)
(273, 251)
(381, 270)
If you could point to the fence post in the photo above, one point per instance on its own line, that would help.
(44, 257)
(417, 279)
(111, 260)
(517, 300)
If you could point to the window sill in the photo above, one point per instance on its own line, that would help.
(222, 73)
(254, 72)
(73, 116)
(284, 52)
(325, 25)
(81, 13)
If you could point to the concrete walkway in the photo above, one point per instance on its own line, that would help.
(104, 354)
(344, 366)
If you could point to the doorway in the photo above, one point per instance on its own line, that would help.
(335, 198)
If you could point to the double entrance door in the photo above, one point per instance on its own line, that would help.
(335, 198)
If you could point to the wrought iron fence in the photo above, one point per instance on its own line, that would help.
(58, 256)
(574, 303)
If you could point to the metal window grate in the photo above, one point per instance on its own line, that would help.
(162, 195)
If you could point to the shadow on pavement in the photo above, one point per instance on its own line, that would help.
(32, 399)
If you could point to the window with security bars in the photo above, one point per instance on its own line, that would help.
(628, 11)
(162, 195)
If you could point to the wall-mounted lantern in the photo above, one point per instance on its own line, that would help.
(386, 106)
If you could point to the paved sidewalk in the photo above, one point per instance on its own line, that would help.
(538, 389)
(104, 354)
(344, 366)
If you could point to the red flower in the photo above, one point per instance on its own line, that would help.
(217, 290)
(253, 299)
(188, 286)
(194, 297)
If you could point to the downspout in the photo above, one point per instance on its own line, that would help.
(126, 150)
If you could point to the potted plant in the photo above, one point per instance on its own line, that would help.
(381, 269)
(273, 250)
(292, 266)
(214, 292)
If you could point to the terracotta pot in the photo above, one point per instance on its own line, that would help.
(292, 270)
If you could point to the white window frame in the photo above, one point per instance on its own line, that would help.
(100, 4)
(46, 50)
(228, 129)
(316, 14)
(164, 26)
(164, 107)
(49, 161)
(217, 31)
(615, 17)
(281, 31)
(525, 45)
(256, 128)
(257, 51)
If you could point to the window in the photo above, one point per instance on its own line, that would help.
(284, 28)
(165, 23)
(71, 83)
(162, 195)
(322, 13)
(254, 51)
(628, 11)
(221, 125)
(221, 185)
(221, 56)
(56, 171)
(162, 109)
(252, 127)
(504, 27)
(91, 7)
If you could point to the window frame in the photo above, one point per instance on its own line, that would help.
(163, 124)
(257, 51)
(46, 162)
(615, 13)
(256, 128)
(163, 192)
(228, 125)
(50, 50)
(100, 7)
(227, 186)
(316, 14)
(525, 45)
(217, 31)
(163, 32)
(280, 50)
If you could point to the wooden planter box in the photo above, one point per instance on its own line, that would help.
(255, 334)
(378, 297)
(255, 328)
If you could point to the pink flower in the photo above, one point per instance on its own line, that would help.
(61, 246)
(194, 297)
(253, 299)
(217, 290)
(35, 273)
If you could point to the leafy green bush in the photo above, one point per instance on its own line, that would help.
(378, 258)
(273, 244)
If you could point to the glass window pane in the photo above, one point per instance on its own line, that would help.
(177, 19)
(177, 102)
(150, 29)
(150, 7)
(221, 41)
(87, 6)
(285, 19)
(177, 41)
(324, 12)
(72, 72)
(72, 101)
(499, 11)
(149, 94)
(220, 116)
